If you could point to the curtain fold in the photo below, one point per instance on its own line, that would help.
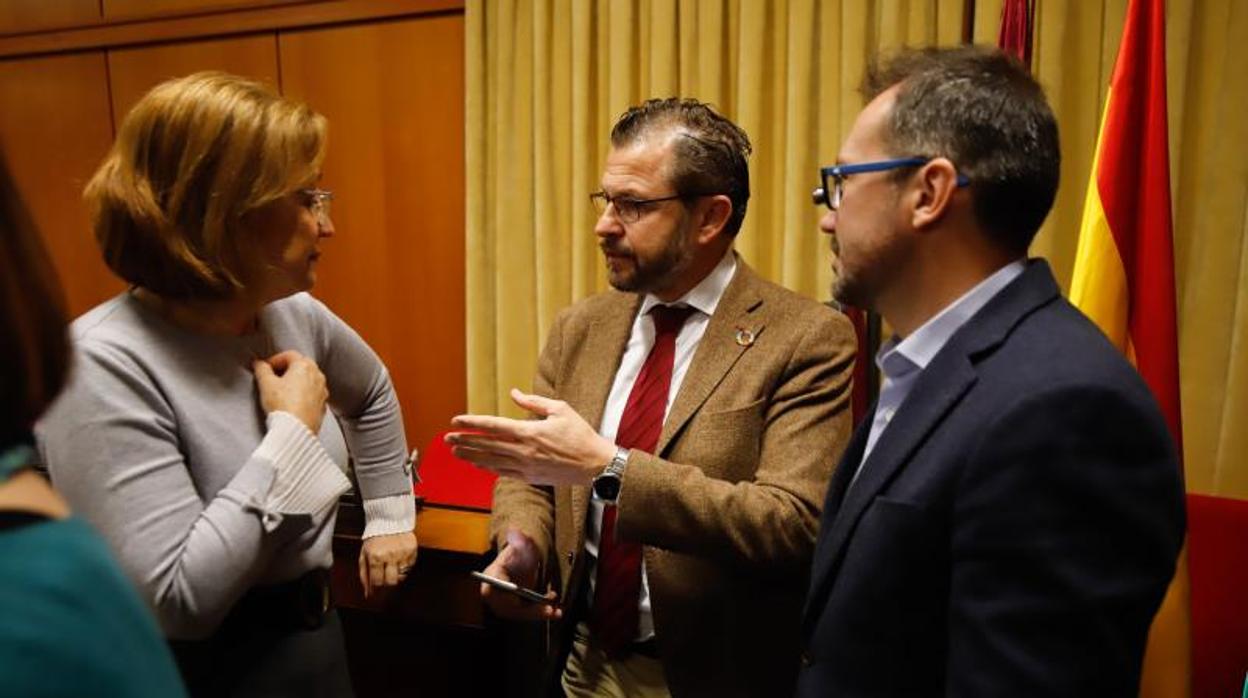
(547, 78)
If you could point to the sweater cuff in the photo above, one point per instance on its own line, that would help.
(308, 481)
(387, 515)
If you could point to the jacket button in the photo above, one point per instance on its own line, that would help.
(570, 556)
(806, 661)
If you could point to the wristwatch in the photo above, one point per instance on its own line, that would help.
(607, 484)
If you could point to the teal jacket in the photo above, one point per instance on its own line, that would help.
(72, 623)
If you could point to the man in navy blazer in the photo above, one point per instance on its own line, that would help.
(1008, 519)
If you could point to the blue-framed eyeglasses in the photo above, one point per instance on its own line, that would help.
(833, 178)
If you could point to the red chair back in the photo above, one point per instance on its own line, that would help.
(1217, 553)
(451, 481)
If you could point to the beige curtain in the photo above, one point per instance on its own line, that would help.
(546, 80)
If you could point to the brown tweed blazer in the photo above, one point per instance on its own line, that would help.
(728, 510)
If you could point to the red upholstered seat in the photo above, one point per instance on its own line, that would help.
(1218, 564)
(450, 481)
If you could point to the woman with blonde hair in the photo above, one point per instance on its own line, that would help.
(194, 434)
(72, 624)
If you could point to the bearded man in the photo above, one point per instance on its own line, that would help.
(668, 496)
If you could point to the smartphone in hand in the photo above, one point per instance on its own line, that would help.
(522, 592)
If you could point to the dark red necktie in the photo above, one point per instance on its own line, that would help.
(613, 619)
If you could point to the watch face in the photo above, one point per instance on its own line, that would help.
(607, 487)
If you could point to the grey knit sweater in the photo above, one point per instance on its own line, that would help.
(160, 442)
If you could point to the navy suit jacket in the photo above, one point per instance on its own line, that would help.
(1015, 527)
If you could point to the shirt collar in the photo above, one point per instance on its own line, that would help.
(924, 343)
(706, 295)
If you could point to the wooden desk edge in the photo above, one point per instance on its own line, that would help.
(453, 529)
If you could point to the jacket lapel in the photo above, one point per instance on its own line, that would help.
(733, 328)
(832, 501)
(607, 336)
(939, 389)
(844, 473)
(948, 380)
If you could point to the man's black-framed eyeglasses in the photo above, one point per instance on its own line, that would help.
(629, 209)
(833, 178)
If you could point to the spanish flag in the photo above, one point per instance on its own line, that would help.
(1124, 275)
(1014, 36)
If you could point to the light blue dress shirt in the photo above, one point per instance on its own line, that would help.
(902, 361)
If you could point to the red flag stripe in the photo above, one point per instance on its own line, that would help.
(1134, 186)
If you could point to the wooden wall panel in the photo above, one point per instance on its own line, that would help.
(135, 71)
(112, 32)
(131, 9)
(19, 16)
(54, 130)
(394, 96)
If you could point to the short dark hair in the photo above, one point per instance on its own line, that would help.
(711, 152)
(34, 347)
(981, 109)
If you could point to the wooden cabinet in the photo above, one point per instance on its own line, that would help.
(389, 75)
(22, 16)
(429, 636)
(131, 9)
(393, 93)
(134, 71)
(55, 128)
(394, 270)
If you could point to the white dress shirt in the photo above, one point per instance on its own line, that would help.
(703, 298)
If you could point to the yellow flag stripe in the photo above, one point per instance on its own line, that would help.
(1099, 284)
